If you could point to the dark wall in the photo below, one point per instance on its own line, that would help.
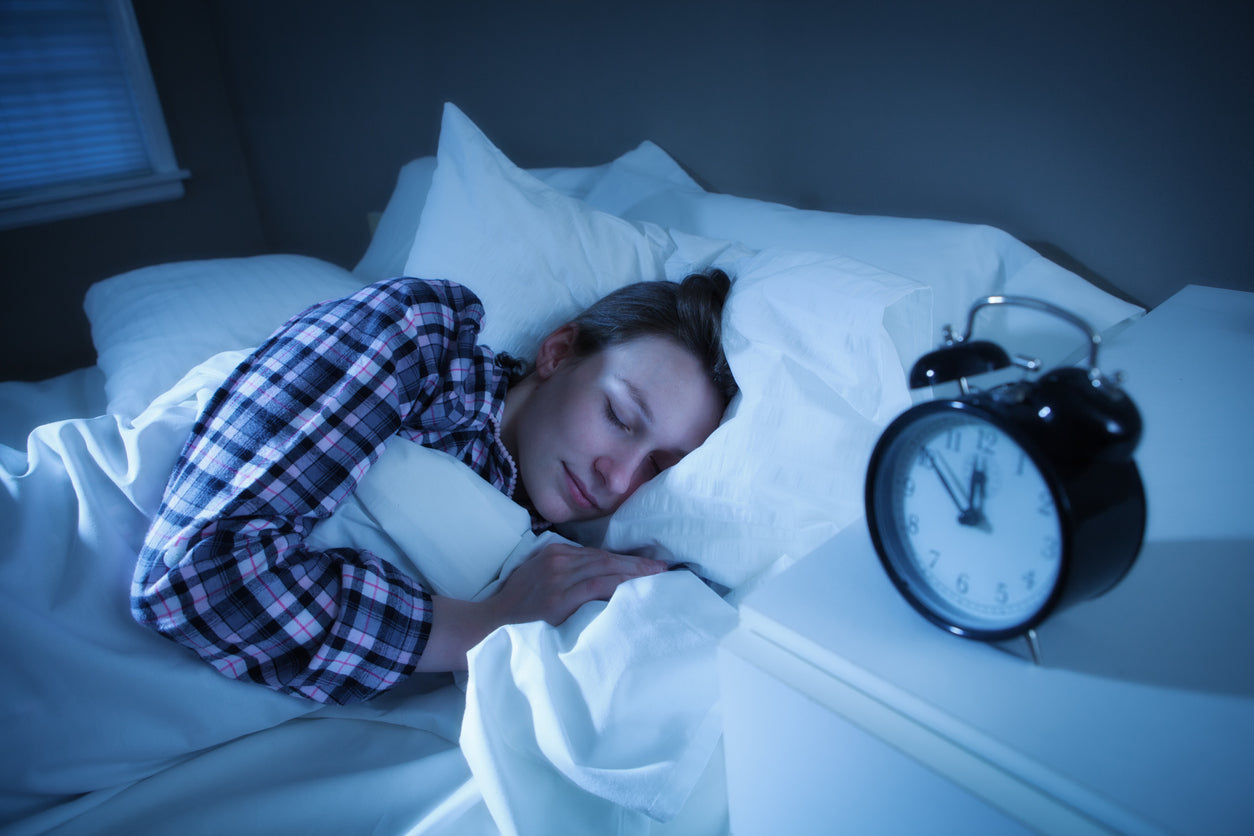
(1112, 135)
(1115, 136)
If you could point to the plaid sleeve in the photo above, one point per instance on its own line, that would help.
(224, 569)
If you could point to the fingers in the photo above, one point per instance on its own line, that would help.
(579, 575)
(561, 578)
(578, 566)
(598, 588)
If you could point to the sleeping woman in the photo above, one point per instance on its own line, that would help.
(615, 397)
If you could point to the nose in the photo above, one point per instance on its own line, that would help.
(622, 471)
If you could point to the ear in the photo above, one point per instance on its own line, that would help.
(556, 348)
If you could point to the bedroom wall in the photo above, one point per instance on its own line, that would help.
(1113, 136)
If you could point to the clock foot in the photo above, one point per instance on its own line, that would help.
(1027, 647)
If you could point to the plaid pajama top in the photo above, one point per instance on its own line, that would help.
(224, 569)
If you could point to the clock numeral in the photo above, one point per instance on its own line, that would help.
(907, 490)
(953, 440)
(912, 524)
(1046, 506)
(985, 441)
(1002, 594)
(963, 583)
(935, 557)
(1049, 550)
(1029, 580)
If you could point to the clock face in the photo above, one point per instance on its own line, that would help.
(965, 522)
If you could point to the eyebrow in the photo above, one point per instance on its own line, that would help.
(638, 396)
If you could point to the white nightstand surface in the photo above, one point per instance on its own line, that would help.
(1142, 718)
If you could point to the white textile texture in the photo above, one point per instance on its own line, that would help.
(621, 701)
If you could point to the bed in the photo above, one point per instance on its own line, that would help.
(608, 724)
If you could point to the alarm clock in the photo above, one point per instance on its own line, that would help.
(993, 509)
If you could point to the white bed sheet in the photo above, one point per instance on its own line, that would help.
(92, 700)
(26, 405)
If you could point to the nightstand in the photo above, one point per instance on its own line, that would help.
(846, 712)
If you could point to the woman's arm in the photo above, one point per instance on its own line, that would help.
(224, 569)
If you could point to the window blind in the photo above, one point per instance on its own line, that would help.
(78, 112)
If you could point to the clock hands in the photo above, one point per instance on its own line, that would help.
(946, 476)
(972, 512)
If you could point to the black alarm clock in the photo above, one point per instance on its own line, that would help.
(992, 509)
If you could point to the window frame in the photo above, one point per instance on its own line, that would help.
(164, 180)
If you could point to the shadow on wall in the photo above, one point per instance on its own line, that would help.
(1067, 262)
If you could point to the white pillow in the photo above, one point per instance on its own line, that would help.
(637, 175)
(394, 236)
(152, 325)
(960, 262)
(808, 336)
(533, 256)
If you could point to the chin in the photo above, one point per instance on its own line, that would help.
(560, 512)
(566, 514)
(556, 518)
(553, 510)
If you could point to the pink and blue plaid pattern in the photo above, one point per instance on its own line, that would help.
(224, 569)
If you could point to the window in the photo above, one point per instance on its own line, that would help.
(81, 129)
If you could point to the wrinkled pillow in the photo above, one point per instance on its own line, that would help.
(959, 262)
(533, 256)
(152, 325)
(641, 173)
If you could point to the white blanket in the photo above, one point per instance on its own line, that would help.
(92, 700)
(620, 701)
(108, 724)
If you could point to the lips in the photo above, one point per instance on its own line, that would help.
(578, 493)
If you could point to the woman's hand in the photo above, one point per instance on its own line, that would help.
(548, 586)
(560, 578)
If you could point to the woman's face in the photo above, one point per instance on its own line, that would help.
(588, 431)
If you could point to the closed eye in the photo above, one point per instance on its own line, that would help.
(654, 464)
(613, 418)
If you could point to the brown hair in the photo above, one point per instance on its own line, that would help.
(689, 312)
